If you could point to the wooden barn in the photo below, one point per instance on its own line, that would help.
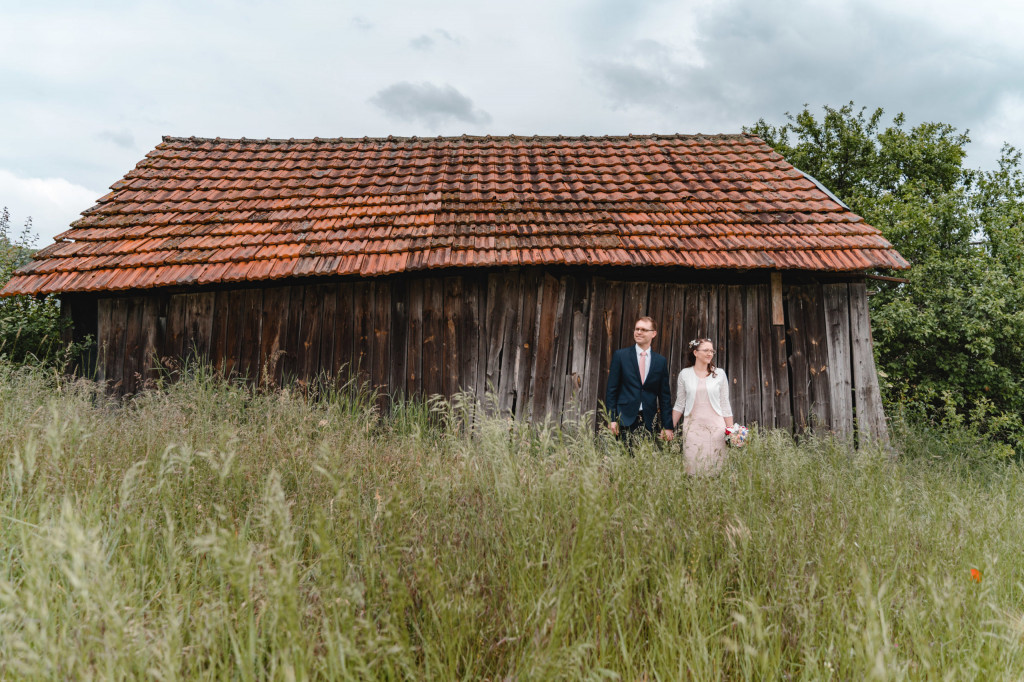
(514, 265)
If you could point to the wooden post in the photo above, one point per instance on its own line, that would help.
(870, 418)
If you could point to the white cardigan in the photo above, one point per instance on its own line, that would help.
(718, 392)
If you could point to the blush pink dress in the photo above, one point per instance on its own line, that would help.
(704, 448)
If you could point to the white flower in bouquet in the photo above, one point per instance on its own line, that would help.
(736, 435)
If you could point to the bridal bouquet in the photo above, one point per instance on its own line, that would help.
(736, 435)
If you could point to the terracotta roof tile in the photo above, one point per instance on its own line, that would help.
(205, 211)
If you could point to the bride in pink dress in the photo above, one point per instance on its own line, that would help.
(702, 401)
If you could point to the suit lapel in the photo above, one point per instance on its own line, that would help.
(634, 362)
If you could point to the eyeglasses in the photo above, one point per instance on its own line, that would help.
(642, 329)
(706, 350)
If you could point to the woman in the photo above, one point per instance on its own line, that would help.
(702, 399)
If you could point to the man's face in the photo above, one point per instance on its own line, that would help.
(643, 333)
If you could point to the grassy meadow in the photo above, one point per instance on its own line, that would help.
(204, 532)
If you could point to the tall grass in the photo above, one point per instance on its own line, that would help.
(206, 532)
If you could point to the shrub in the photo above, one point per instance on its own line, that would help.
(31, 328)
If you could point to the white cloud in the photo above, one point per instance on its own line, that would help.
(428, 103)
(52, 203)
(1003, 125)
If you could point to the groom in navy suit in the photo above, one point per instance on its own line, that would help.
(639, 386)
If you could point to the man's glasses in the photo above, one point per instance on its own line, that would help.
(642, 329)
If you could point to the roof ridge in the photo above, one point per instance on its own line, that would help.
(474, 138)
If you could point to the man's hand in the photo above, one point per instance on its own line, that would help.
(614, 427)
(668, 434)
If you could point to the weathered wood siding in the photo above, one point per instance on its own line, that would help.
(540, 344)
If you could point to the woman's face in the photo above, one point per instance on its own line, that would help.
(705, 351)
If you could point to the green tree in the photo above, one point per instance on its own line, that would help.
(31, 329)
(950, 340)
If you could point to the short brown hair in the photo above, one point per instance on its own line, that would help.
(648, 320)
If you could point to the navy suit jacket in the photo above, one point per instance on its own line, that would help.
(625, 393)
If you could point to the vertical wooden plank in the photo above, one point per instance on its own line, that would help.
(870, 417)
(149, 348)
(234, 327)
(731, 360)
(381, 370)
(591, 392)
(344, 365)
(509, 302)
(132, 344)
(562, 347)
(837, 327)
(799, 369)
(712, 324)
(328, 297)
(572, 396)
(692, 328)
(494, 325)
(817, 357)
(187, 302)
(309, 338)
(399, 352)
(291, 362)
(118, 325)
(778, 312)
(433, 336)
(250, 340)
(700, 294)
(273, 337)
(546, 347)
(307, 346)
(526, 340)
(634, 305)
(675, 350)
(780, 369)
(722, 323)
(611, 331)
(104, 312)
(749, 388)
(176, 321)
(414, 362)
(452, 314)
(656, 310)
(198, 325)
(473, 334)
(362, 332)
(768, 417)
(222, 312)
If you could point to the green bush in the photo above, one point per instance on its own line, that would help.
(950, 340)
(31, 329)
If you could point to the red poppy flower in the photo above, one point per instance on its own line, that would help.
(975, 575)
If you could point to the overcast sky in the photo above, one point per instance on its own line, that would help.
(90, 86)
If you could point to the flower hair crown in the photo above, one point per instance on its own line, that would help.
(694, 343)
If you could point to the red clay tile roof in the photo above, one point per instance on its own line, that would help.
(201, 211)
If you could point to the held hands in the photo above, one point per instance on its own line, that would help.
(666, 434)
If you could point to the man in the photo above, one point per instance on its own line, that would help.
(639, 386)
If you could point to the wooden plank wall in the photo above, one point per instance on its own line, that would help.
(538, 344)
